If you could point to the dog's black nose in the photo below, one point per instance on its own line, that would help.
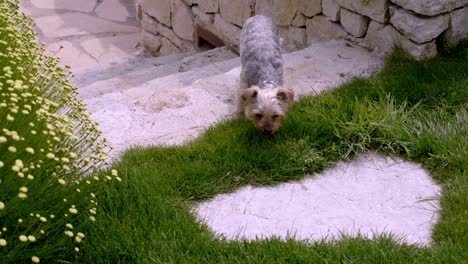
(267, 131)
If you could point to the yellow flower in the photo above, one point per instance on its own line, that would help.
(3, 139)
(15, 168)
(73, 210)
(50, 155)
(114, 172)
(69, 226)
(61, 181)
(77, 249)
(23, 238)
(30, 150)
(68, 233)
(35, 259)
(2, 242)
(2, 205)
(92, 218)
(1, 164)
(24, 189)
(79, 234)
(32, 238)
(20, 220)
(12, 149)
(19, 163)
(43, 219)
(78, 239)
(22, 195)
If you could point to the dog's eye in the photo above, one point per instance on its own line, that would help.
(259, 116)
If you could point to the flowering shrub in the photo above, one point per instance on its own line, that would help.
(47, 144)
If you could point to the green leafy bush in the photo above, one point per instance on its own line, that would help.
(47, 144)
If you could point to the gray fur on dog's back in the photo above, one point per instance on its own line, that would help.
(260, 53)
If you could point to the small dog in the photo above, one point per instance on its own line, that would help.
(261, 98)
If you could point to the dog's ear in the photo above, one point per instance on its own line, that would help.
(285, 95)
(248, 94)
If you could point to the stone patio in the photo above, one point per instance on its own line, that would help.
(90, 31)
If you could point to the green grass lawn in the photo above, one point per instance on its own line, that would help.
(415, 110)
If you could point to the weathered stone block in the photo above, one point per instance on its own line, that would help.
(167, 48)
(182, 20)
(151, 25)
(381, 37)
(229, 32)
(151, 42)
(385, 37)
(235, 12)
(430, 7)
(282, 11)
(354, 23)
(331, 9)
(309, 8)
(159, 9)
(417, 28)
(299, 20)
(458, 27)
(319, 28)
(375, 9)
(208, 6)
(206, 18)
(297, 37)
(419, 51)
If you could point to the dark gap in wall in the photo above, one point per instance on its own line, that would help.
(207, 40)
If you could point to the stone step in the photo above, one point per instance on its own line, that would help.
(123, 74)
(174, 109)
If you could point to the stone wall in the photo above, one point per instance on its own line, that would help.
(417, 26)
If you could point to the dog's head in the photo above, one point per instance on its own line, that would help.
(266, 108)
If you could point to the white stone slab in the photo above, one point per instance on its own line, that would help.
(371, 195)
(69, 5)
(108, 48)
(113, 10)
(72, 24)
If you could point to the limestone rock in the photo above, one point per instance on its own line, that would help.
(297, 37)
(309, 8)
(167, 48)
(430, 7)
(458, 27)
(354, 23)
(208, 6)
(319, 28)
(182, 20)
(385, 37)
(375, 9)
(159, 9)
(204, 17)
(419, 51)
(331, 9)
(417, 28)
(190, 2)
(299, 20)
(151, 42)
(381, 37)
(230, 33)
(153, 26)
(235, 12)
(282, 11)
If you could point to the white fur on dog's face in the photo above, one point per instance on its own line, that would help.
(266, 108)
